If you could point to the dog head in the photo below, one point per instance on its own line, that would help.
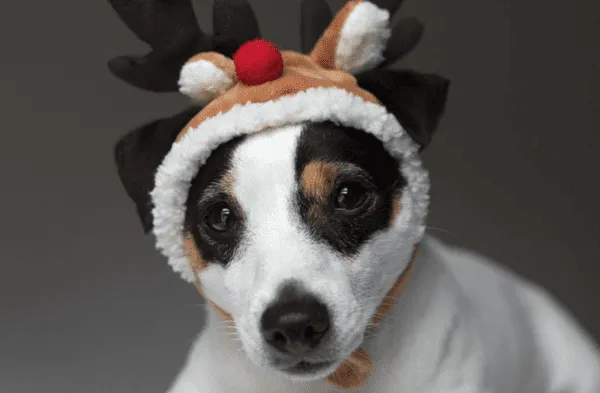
(296, 216)
(298, 234)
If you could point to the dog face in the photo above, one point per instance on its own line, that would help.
(300, 233)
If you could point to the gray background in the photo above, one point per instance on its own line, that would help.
(86, 303)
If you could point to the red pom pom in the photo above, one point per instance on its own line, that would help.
(258, 61)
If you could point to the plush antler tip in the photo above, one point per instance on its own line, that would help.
(258, 61)
(203, 80)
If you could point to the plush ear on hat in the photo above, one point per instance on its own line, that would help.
(362, 35)
(355, 39)
(138, 155)
(206, 76)
(417, 100)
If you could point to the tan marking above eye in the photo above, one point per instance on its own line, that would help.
(318, 178)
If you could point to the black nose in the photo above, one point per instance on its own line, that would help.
(296, 322)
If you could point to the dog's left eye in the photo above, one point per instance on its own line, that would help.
(351, 197)
(219, 218)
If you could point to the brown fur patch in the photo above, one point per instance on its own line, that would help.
(318, 178)
(300, 73)
(317, 181)
(325, 48)
(353, 372)
(196, 261)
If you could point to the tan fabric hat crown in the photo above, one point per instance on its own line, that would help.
(354, 40)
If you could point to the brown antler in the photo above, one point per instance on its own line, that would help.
(171, 30)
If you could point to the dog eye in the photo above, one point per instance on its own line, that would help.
(351, 196)
(219, 218)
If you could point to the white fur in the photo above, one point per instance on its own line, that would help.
(463, 325)
(203, 81)
(181, 164)
(363, 38)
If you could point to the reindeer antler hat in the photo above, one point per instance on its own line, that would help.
(242, 84)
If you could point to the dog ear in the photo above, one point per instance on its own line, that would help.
(138, 155)
(417, 100)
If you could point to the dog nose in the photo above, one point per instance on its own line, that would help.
(295, 323)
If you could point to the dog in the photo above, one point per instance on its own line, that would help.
(302, 289)
(306, 237)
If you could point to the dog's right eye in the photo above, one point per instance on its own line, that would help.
(351, 197)
(219, 218)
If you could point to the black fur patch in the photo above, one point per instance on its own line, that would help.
(206, 191)
(352, 148)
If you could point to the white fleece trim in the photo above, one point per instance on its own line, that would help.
(363, 38)
(203, 81)
(181, 164)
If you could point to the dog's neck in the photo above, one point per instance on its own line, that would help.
(428, 332)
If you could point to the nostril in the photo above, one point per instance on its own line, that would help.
(313, 333)
(279, 337)
(276, 338)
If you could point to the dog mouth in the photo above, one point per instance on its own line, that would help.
(307, 369)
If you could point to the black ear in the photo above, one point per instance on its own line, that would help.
(138, 155)
(417, 100)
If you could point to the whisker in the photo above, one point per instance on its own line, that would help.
(194, 305)
(441, 230)
(362, 355)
